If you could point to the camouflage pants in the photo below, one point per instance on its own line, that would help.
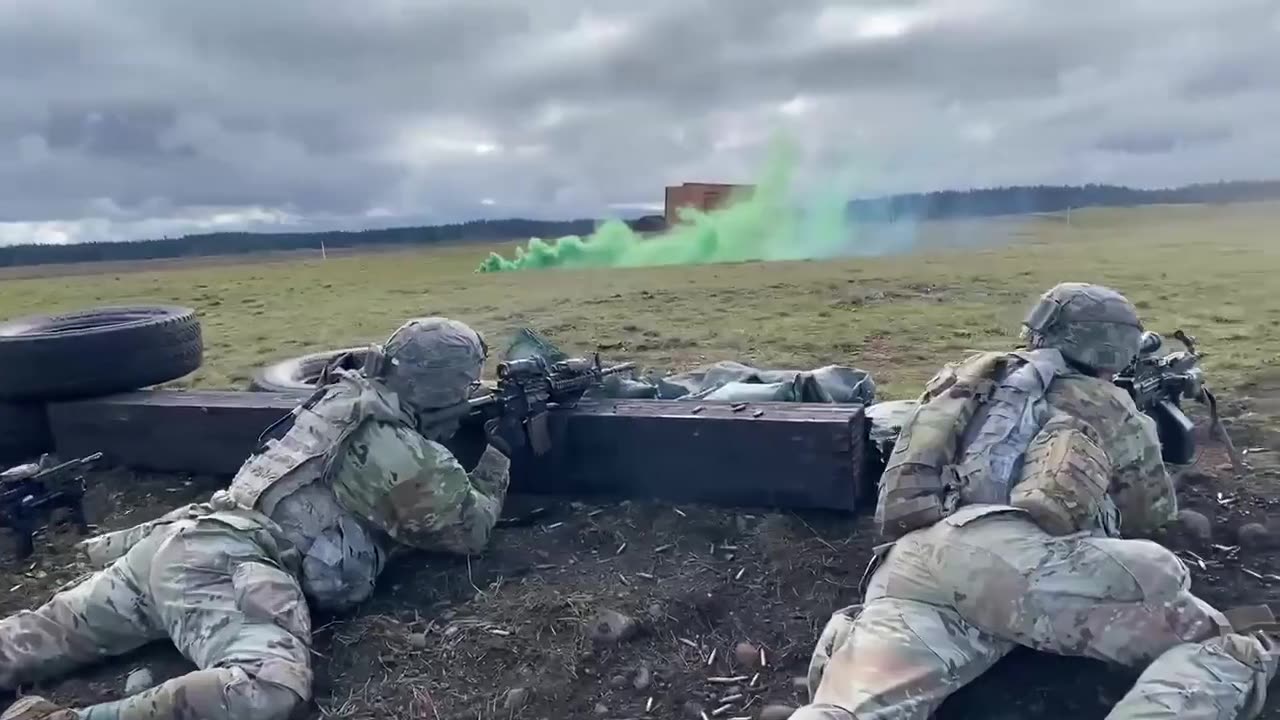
(210, 588)
(948, 601)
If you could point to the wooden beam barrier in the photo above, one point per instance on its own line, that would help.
(790, 455)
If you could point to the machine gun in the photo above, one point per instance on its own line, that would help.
(526, 388)
(28, 494)
(1159, 384)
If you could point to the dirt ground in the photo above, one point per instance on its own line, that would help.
(508, 634)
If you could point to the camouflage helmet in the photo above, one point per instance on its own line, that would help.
(433, 362)
(1091, 325)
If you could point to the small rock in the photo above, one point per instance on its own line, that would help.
(418, 641)
(138, 680)
(516, 699)
(601, 709)
(1254, 536)
(1194, 527)
(611, 626)
(748, 655)
(776, 712)
(618, 681)
(1192, 477)
(655, 611)
(644, 678)
(800, 683)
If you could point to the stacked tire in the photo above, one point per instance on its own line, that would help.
(82, 354)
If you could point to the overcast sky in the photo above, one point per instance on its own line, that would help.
(139, 118)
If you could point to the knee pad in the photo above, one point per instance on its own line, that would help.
(230, 693)
(252, 698)
(822, 712)
(833, 636)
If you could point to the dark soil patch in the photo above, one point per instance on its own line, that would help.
(448, 638)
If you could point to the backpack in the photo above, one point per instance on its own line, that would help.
(965, 440)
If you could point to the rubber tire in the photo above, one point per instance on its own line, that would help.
(24, 433)
(98, 351)
(299, 374)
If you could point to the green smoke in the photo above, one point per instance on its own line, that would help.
(766, 225)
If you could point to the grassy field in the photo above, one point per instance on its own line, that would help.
(1210, 270)
(701, 579)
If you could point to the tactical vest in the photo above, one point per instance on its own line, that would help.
(307, 451)
(965, 441)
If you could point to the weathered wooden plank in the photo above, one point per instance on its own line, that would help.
(196, 432)
(763, 454)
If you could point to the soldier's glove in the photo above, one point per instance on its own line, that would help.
(498, 436)
(34, 707)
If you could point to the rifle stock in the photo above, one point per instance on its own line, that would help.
(26, 500)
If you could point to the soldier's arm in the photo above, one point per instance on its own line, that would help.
(1141, 486)
(461, 509)
(432, 502)
(478, 506)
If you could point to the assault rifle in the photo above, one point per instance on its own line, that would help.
(526, 388)
(28, 494)
(1159, 384)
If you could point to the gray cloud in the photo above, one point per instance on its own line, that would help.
(138, 118)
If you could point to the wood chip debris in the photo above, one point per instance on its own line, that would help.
(648, 704)
(646, 576)
(662, 548)
(762, 664)
(679, 512)
(1196, 559)
(738, 575)
(721, 710)
(621, 547)
(732, 698)
(754, 679)
(690, 643)
(711, 659)
(552, 526)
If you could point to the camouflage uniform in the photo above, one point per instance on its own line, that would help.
(944, 602)
(309, 517)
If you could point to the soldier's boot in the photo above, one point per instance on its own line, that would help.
(34, 707)
(1222, 677)
(894, 660)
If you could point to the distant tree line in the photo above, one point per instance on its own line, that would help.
(1050, 198)
(932, 205)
